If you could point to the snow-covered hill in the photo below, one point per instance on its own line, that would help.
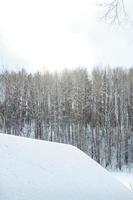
(38, 170)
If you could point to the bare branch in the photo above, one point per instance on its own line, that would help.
(115, 11)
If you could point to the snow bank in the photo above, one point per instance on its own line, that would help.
(38, 170)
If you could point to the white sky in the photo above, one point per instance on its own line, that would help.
(58, 34)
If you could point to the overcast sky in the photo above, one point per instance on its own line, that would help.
(57, 34)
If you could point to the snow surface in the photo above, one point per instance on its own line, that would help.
(126, 178)
(38, 170)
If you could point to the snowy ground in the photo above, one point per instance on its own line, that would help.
(38, 170)
(125, 178)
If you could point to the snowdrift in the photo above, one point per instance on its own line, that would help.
(38, 170)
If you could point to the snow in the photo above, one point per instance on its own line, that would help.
(126, 178)
(38, 170)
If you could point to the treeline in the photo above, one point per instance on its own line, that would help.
(91, 111)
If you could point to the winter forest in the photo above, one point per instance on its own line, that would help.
(92, 111)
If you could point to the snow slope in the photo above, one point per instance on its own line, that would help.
(38, 170)
(126, 178)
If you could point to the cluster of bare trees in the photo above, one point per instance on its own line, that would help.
(91, 111)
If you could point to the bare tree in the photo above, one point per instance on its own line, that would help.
(114, 11)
